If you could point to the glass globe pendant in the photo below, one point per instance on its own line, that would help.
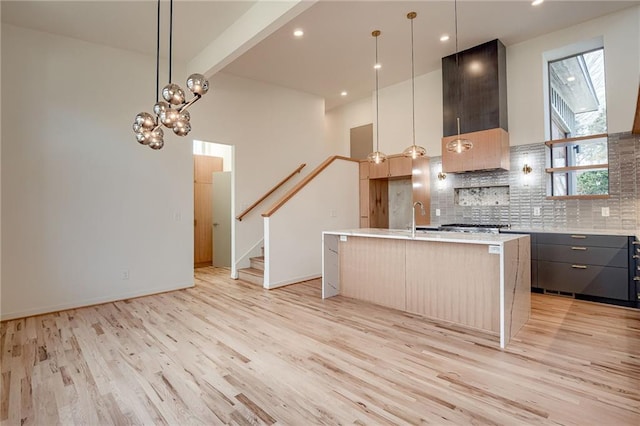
(414, 151)
(377, 157)
(459, 144)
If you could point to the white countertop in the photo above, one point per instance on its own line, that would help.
(439, 236)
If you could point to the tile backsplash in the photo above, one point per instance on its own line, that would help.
(528, 191)
(482, 196)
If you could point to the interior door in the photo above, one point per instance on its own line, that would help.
(203, 168)
(221, 209)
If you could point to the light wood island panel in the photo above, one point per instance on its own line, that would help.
(462, 288)
(373, 270)
(481, 282)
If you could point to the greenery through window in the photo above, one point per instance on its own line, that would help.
(578, 123)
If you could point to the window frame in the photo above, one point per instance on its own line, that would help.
(571, 178)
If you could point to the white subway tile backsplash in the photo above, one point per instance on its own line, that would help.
(527, 191)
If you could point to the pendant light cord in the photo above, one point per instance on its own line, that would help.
(455, 11)
(170, 37)
(413, 87)
(158, 56)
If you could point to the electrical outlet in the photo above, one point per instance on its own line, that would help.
(437, 212)
(536, 211)
(333, 213)
(605, 211)
(125, 275)
(494, 249)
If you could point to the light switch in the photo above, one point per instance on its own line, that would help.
(536, 211)
(437, 212)
(605, 211)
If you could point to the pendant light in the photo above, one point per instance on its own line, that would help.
(377, 157)
(414, 151)
(459, 144)
(172, 112)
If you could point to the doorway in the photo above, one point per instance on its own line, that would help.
(212, 210)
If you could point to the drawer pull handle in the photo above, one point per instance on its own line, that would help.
(581, 237)
(636, 278)
(635, 256)
(636, 243)
(579, 248)
(579, 266)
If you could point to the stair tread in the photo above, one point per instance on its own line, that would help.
(252, 271)
(257, 258)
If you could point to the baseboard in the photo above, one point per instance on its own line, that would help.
(292, 281)
(86, 303)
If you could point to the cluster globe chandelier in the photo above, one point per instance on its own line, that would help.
(171, 112)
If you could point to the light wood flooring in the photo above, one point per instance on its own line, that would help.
(229, 352)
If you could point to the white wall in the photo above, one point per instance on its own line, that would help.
(293, 234)
(274, 130)
(339, 121)
(395, 115)
(82, 201)
(621, 33)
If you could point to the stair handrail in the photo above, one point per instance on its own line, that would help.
(271, 191)
(293, 191)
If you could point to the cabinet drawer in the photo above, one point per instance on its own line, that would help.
(615, 241)
(584, 255)
(598, 281)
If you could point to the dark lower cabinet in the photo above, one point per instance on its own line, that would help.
(604, 268)
(590, 280)
(634, 271)
(586, 266)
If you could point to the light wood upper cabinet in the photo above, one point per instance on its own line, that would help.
(364, 170)
(379, 171)
(400, 166)
(490, 151)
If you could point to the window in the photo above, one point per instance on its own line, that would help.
(578, 126)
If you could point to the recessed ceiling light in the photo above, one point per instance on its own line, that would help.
(298, 33)
(571, 78)
(377, 66)
(444, 37)
(343, 93)
(537, 2)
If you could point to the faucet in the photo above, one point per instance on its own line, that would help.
(413, 217)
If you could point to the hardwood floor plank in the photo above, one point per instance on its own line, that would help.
(227, 352)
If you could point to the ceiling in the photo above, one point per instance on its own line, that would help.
(336, 52)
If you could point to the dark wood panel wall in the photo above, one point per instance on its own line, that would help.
(475, 89)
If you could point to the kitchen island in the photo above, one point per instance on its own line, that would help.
(479, 281)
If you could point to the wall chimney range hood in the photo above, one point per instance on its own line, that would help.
(475, 90)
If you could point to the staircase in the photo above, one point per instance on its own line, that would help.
(254, 274)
